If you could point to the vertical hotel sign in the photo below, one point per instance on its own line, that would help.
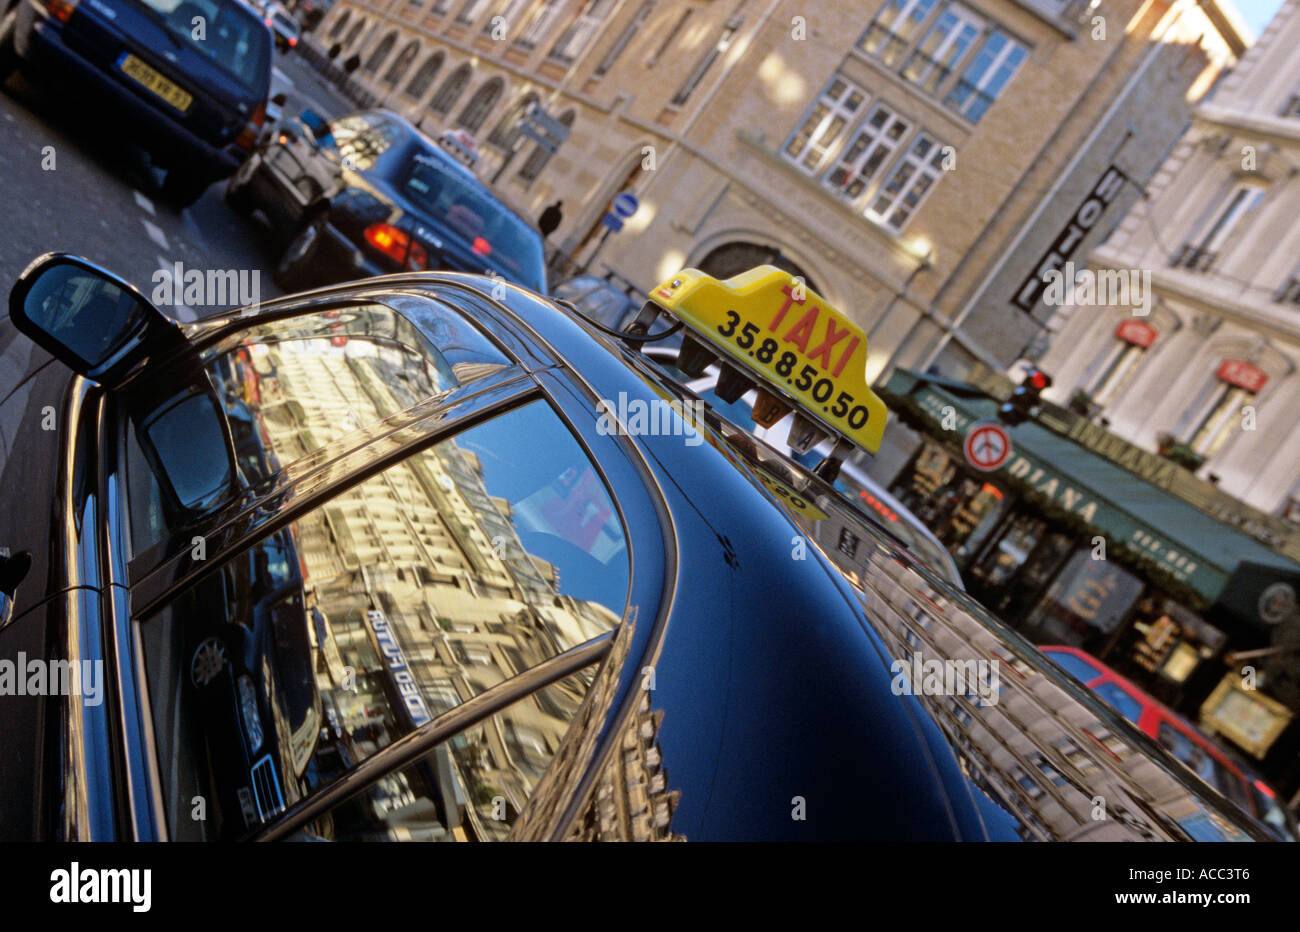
(399, 673)
(1067, 242)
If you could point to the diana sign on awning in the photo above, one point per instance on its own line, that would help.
(1068, 241)
(1076, 499)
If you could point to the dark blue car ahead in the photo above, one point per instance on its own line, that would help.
(188, 80)
(369, 194)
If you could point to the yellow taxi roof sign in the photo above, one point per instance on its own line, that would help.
(789, 338)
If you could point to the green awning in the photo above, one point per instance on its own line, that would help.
(1184, 542)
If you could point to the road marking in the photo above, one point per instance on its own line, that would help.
(145, 204)
(156, 234)
(183, 311)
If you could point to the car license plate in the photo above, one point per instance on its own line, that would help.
(790, 338)
(137, 70)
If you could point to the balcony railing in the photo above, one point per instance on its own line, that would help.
(1194, 258)
(885, 45)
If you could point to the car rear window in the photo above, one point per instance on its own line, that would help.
(223, 31)
(460, 202)
(1077, 667)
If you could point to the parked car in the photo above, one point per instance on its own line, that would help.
(1179, 737)
(466, 592)
(600, 299)
(195, 101)
(370, 194)
(284, 26)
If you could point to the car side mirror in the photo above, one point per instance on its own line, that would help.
(89, 319)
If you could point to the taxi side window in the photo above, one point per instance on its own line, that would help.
(288, 387)
(392, 603)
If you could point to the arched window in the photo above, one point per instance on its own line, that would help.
(538, 158)
(424, 76)
(480, 105)
(402, 63)
(450, 91)
(381, 52)
(354, 33)
(506, 131)
(340, 23)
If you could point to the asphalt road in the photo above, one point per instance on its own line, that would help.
(72, 181)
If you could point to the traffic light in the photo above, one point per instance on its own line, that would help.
(1025, 398)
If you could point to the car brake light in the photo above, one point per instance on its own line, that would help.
(293, 40)
(482, 246)
(268, 21)
(247, 137)
(396, 244)
(61, 9)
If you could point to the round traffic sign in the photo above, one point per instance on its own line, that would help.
(987, 446)
(625, 204)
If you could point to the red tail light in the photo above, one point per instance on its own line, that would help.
(293, 40)
(482, 246)
(61, 9)
(268, 21)
(247, 137)
(396, 244)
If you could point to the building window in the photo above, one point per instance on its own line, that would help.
(720, 48)
(538, 158)
(440, 7)
(423, 79)
(1292, 107)
(1117, 370)
(538, 26)
(669, 40)
(953, 34)
(1201, 254)
(471, 11)
(894, 28)
(1237, 384)
(450, 91)
(510, 16)
(821, 131)
(913, 178)
(989, 72)
(402, 63)
(506, 131)
(1289, 293)
(381, 52)
(354, 33)
(340, 23)
(624, 38)
(480, 105)
(574, 40)
(872, 145)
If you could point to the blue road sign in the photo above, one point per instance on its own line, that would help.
(625, 204)
(613, 222)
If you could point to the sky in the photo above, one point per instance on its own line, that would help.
(1257, 12)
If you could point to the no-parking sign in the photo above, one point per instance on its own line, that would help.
(987, 446)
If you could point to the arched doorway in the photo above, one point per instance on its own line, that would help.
(381, 52)
(424, 76)
(480, 105)
(401, 63)
(450, 91)
(506, 131)
(538, 158)
(739, 256)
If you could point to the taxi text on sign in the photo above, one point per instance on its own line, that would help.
(787, 336)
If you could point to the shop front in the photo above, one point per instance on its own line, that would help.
(1072, 548)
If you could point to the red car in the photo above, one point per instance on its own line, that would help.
(1178, 737)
